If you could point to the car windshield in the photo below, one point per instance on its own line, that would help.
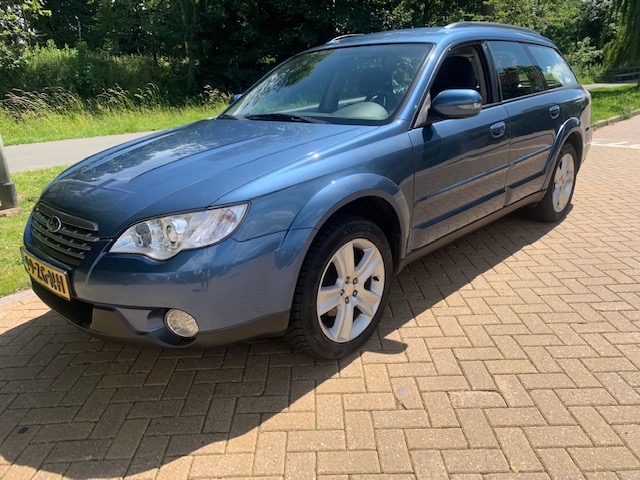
(363, 85)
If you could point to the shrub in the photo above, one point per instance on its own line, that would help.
(586, 61)
(86, 73)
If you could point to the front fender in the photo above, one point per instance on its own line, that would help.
(308, 205)
(339, 193)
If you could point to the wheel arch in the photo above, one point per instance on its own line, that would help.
(569, 132)
(575, 139)
(380, 212)
(370, 196)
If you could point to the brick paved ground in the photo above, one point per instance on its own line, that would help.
(512, 353)
(620, 135)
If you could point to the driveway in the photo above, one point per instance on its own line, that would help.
(512, 353)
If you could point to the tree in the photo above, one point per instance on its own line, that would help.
(429, 13)
(539, 15)
(16, 34)
(16, 21)
(625, 47)
(596, 20)
(70, 22)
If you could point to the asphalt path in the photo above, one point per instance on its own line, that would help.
(33, 156)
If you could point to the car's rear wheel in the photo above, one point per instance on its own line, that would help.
(342, 288)
(556, 202)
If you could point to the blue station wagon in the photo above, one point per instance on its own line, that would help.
(290, 212)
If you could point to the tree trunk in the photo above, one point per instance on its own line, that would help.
(426, 13)
(188, 16)
(488, 10)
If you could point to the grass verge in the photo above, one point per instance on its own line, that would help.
(85, 124)
(29, 186)
(609, 102)
(56, 114)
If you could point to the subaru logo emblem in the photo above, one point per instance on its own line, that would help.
(54, 224)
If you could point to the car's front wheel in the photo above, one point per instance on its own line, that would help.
(342, 288)
(556, 202)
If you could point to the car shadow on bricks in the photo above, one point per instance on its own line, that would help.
(80, 407)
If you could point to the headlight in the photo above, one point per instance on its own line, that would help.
(162, 238)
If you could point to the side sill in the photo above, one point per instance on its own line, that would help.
(441, 242)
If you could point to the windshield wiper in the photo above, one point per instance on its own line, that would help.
(287, 117)
(227, 116)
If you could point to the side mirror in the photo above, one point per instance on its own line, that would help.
(457, 103)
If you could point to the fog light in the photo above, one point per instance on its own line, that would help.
(181, 323)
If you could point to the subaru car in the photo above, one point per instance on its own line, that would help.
(290, 212)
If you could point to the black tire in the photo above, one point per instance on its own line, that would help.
(552, 208)
(320, 334)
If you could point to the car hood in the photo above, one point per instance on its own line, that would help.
(184, 169)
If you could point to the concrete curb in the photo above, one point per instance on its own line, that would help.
(616, 119)
(16, 297)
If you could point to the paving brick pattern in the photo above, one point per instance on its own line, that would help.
(511, 353)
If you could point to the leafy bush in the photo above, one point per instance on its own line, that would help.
(586, 61)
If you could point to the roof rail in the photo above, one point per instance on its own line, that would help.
(490, 24)
(340, 37)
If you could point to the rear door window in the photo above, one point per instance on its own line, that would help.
(517, 74)
(554, 68)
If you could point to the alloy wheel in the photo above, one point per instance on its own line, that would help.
(350, 291)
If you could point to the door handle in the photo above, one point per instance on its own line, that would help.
(498, 129)
(554, 111)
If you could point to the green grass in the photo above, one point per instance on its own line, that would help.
(609, 102)
(85, 124)
(56, 114)
(13, 277)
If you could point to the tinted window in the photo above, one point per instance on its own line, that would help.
(554, 68)
(518, 76)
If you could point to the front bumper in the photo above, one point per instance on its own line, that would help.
(234, 290)
(115, 324)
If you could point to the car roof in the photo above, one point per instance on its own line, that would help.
(452, 33)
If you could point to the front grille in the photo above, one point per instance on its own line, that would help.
(71, 242)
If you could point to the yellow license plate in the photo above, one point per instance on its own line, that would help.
(50, 277)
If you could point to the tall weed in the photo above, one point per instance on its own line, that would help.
(21, 105)
(54, 113)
